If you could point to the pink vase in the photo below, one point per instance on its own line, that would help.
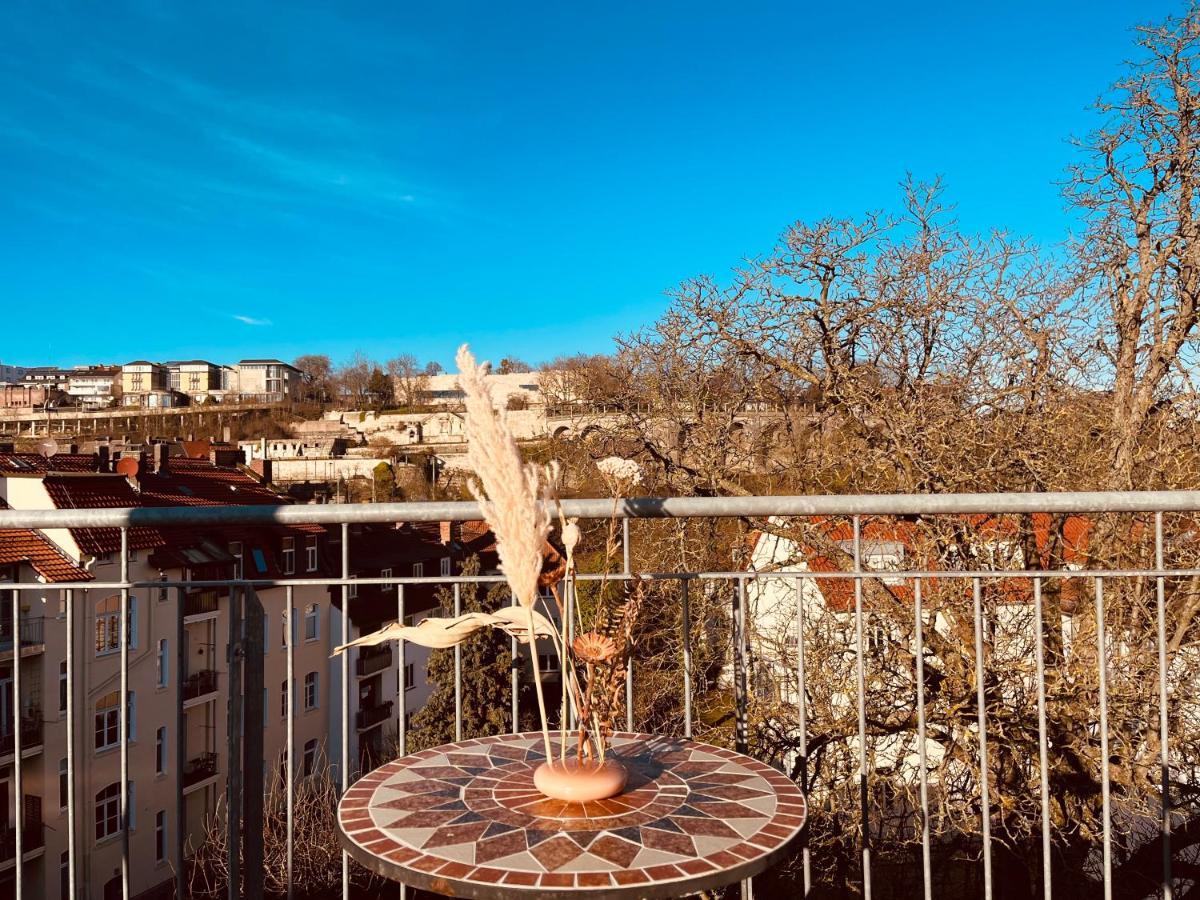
(580, 782)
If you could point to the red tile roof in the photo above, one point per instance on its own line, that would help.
(23, 545)
(36, 464)
(100, 492)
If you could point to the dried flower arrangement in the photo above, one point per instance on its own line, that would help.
(516, 499)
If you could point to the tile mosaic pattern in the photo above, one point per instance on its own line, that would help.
(465, 820)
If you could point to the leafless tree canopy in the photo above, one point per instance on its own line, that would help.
(896, 352)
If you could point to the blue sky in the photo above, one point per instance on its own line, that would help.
(183, 180)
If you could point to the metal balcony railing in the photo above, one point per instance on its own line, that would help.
(199, 768)
(199, 683)
(29, 629)
(370, 716)
(33, 837)
(198, 603)
(31, 735)
(849, 716)
(376, 660)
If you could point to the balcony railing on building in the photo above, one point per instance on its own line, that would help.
(370, 716)
(199, 683)
(31, 735)
(372, 660)
(33, 832)
(199, 768)
(30, 631)
(198, 603)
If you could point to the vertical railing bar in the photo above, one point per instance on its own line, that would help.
(180, 740)
(124, 713)
(458, 708)
(569, 588)
(1105, 785)
(625, 550)
(981, 715)
(1043, 742)
(515, 685)
(72, 848)
(401, 695)
(18, 774)
(345, 699)
(741, 698)
(401, 682)
(629, 695)
(1164, 757)
(864, 834)
(922, 754)
(290, 725)
(802, 705)
(687, 660)
(741, 728)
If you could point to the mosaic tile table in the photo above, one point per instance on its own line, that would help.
(464, 820)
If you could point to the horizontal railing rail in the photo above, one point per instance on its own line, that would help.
(737, 581)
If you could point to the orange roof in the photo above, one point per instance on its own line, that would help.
(23, 545)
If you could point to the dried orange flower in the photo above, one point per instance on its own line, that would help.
(593, 647)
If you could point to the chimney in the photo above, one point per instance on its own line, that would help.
(451, 532)
(162, 457)
(103, 462)
(261, 468)
(7, 447)
(226, 434)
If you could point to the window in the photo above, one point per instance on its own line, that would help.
(132, 555)
(107, 725)
(64, 875)
(408, 677)
(548, 662)
(310, 554)
(445, 565)
(289, 555)
(162, 666)
(62, 686)
(352, 591)
(418, 570)
(235, 550)
(108, 812)
(386, 573)
(310, 756)
(64, 788)
(160, 750)
(160, 836)
(162, 591)
(311, 690)
(104, 558)
(260, 560)
(311, 624)
(108, 624)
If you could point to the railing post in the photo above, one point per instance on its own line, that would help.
(1164, 753)
(922, 753)
(981, 710)
(252, 776)
(687, 660)
(123, 716)
(458, 696)
(802, 706)
(18, 779)
(741, 741)
(233, 782)
(72, 843)
(180, 741)
(290, 713)
(864, 830)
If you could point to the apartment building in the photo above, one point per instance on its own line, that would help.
(145, 383)
(268, 381)
(412, 550)
(27, 396)
(93, 387)
(178, 670)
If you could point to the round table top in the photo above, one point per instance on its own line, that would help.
(464, 820)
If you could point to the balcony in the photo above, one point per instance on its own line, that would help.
(33, 836)
(30, 631)
(371, 716)
(198, 769)
(200, 603)
(31, 738)
(198, 686)
(918, 743)
(372, 660)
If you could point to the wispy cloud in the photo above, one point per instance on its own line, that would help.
(251, 320)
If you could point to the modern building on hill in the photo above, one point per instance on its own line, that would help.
(147, 384)
(11, 374)
(268, 381)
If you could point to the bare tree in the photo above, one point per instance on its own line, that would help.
(317, 370)
(409, 380)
